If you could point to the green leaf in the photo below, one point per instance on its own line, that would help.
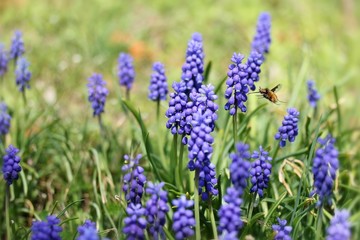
(207, 72)
(273, 208)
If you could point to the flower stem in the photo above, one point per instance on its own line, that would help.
(197, 206)
(251, 207)
(127, 94)
(158, 110)
(213, 223)
(175, 159)
(24, 97)
(319, 224)
(7, 214)
(180, 167)
(101, 125)
(235, 127)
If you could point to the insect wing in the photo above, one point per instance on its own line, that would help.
(276, 88)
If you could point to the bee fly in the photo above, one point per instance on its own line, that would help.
(269, 94)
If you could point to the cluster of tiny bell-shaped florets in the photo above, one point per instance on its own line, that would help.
(88, 231)
(158, 88)
(17, 46)
(23, 74)
(339, 228)
(260, 171)
(11, 165)
(313, 95)
(262, 38)
(135, 222)
(126, 71)
(240, 167)
(183, 218)
(156, 209)
(325, 165)
(97, 93)
(3, 60)
(289, 129)
(46, 230)
(282, 231)
(193, 68)
(134, 179)
(5, 119)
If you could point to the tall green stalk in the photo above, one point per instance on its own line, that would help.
(197, 206)
(7, 213)
(180, 166)
(212, 219)
(235, 127)
(175, 159)
(319, 224)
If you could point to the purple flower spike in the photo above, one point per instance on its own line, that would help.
(17, 46)
(3, 61)
(97, 93)
(22, 74)
(282, 231)
(183, 218)
(158, 88)
(177, 106)
(260, 171)
(135, 222)
(46, 230)
(88, 231)
(240, 167)
(228, 236)
(5, 119)
(289, 129)
(134, 179)
(11, 167)
(262, 39)
(237, 85)
(230, 214)
(193, 68)
(156, 209)
(313, 95)
(200, 150)
(339, 228)
(126, 72)
(254, 63)
(325, 165)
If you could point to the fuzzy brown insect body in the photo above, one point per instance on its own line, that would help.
(269, 94)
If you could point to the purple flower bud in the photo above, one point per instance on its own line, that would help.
(134, 179)
(193, 68)
(158, 88)
(50, 230)
(22, 74)
(230, 214)
(156, 209)
(17, 46)
(88, 231)
(5, 119)
(262, 39)
(260, 171)
(282, 231)
(228, 236)
(183, 218)
(339, 228)
(313, 95)
(289, 128)
(126, 72)
(240, 167)
(253, 68)
(11, 166)
(135, 222)
(325, 165)
(97, 93)
(3, 61)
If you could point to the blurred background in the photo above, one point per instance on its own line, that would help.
(66, 41)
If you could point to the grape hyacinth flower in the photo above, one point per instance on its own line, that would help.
(228, 236)
(240, 167)
(254, 62)
(134, 179)
(289, 129)
(46, 230)
(175, 112)
(3, 61)
(200, 151)
(4, 119)
(11, 165)
(339, 228)
(193, 68)
(158, 88)
(17, 46)
(135, 222)
(22, 74)
(88, 231)
(262, 39)
(230, 214)
(313, 95)
(282, 231)
(156, 209)
(325, 165)
(126, 72)
(237, 85)
(183, 218)
(97, 93)
(260, 171)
